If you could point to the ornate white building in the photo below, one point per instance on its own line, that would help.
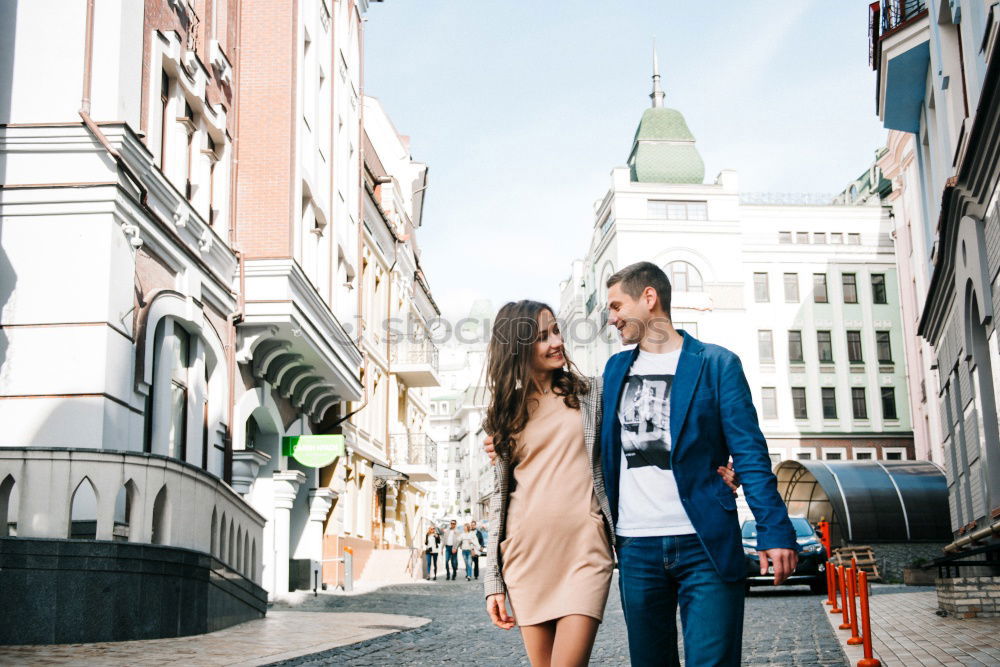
(805, 293)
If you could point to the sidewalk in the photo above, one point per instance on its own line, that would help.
(278, 636)
(906, 631)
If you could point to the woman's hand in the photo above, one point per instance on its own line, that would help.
(728, 476)
(496, 607)
(489, 449)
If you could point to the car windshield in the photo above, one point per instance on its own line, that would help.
(801, 525)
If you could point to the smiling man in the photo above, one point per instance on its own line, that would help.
(675, 409)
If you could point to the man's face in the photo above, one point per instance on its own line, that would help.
(473, 525)
(454, 524)
(629, 316)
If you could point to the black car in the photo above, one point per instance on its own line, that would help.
(812, 557)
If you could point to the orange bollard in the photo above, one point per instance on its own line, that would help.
(852, 576)
(830, 589)
(846, 625)
(866, 626)
(836, 587)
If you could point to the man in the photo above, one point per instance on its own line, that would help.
(451, 543)
(481, 539)
(674, 411)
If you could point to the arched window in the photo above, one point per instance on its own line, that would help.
(161, 519)
(223, 538)
(8, 507)
(83, 512)
(246, 554)
(213, 535)
(177, 419)
(230, 555)
(684, 277)
(124, 508)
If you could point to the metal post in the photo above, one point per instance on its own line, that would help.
(348, 569)
(834, 579)
(846, 625)
(831, 590)
(855, 638)
(866, 626)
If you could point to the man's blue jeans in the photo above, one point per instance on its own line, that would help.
(656, 574)
(451, 561)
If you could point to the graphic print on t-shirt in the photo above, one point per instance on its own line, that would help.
(646, 421)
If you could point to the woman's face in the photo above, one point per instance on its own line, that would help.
(548, 349)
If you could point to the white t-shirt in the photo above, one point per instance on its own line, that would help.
(649, 503)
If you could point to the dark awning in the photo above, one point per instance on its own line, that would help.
(387, 473)
(869, 501)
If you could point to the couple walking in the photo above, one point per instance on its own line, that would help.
(633, 464)
(470, 542)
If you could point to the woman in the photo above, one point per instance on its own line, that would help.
(432, 545)
(469, 542)
(549, 544)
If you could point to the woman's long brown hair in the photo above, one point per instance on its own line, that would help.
(508, 373)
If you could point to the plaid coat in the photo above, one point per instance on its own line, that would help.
(590, 412)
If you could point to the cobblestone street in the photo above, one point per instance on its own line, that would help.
(785, 627)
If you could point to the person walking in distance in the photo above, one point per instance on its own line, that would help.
(469, 545)
(479, 547)
(432, 545)
(451, 540)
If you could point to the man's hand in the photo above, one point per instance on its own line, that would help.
(729, 476)
(784, 561)
(488, 447)
(496, 607)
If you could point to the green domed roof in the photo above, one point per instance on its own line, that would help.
(663, 150)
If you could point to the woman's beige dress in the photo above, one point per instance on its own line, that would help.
(556, 559)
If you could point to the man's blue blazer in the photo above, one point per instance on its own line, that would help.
(712, 417)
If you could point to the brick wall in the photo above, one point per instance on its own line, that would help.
(266, 124)
(969, 597)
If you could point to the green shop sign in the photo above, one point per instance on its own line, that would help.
(313, 451)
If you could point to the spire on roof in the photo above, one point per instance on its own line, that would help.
(657, 94)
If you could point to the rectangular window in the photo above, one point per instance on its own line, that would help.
(859, 405)
(689, 327)
(765, 346)
(854, 347)
(791, 288)
(784, 237)
(878, 288)
(837, 238)
(829, 395)
(833, 456)
(802, 237)
(761, 293)
(894, 456)
(819, 237)
(819, 288)
(799, 403)
(769, 402)
(854, 239)
(863, 456)
(795, 347)
(824, 344)
(883, 347)
(850, 282)
(889, 403)
(804, 456)
(658, 209)
(164, 124)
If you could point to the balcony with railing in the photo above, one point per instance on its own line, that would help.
(415, 362)
(414, 454)
(899, 52)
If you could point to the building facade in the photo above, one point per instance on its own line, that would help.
(224, 243)
(806, 294)
(938, 81)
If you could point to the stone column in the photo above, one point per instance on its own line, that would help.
(286, 486)
(320, 502)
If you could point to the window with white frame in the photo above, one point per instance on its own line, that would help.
(894, 453)
(804, 454)
(834, 454)
(684, 277)
(659, 209)
(864, 454)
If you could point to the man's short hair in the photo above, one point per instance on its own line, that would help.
(635, 278)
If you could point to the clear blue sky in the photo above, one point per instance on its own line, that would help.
(521, 108)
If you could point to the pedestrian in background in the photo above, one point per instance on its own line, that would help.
(432, 546)
(451, 540)
(469, 545)
(479, 550)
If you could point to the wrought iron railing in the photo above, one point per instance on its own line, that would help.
(415, 449)
(884, 17)
(405, 351)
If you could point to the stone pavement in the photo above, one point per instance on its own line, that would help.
(278, 636)
(906, 631)
(783, 627)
